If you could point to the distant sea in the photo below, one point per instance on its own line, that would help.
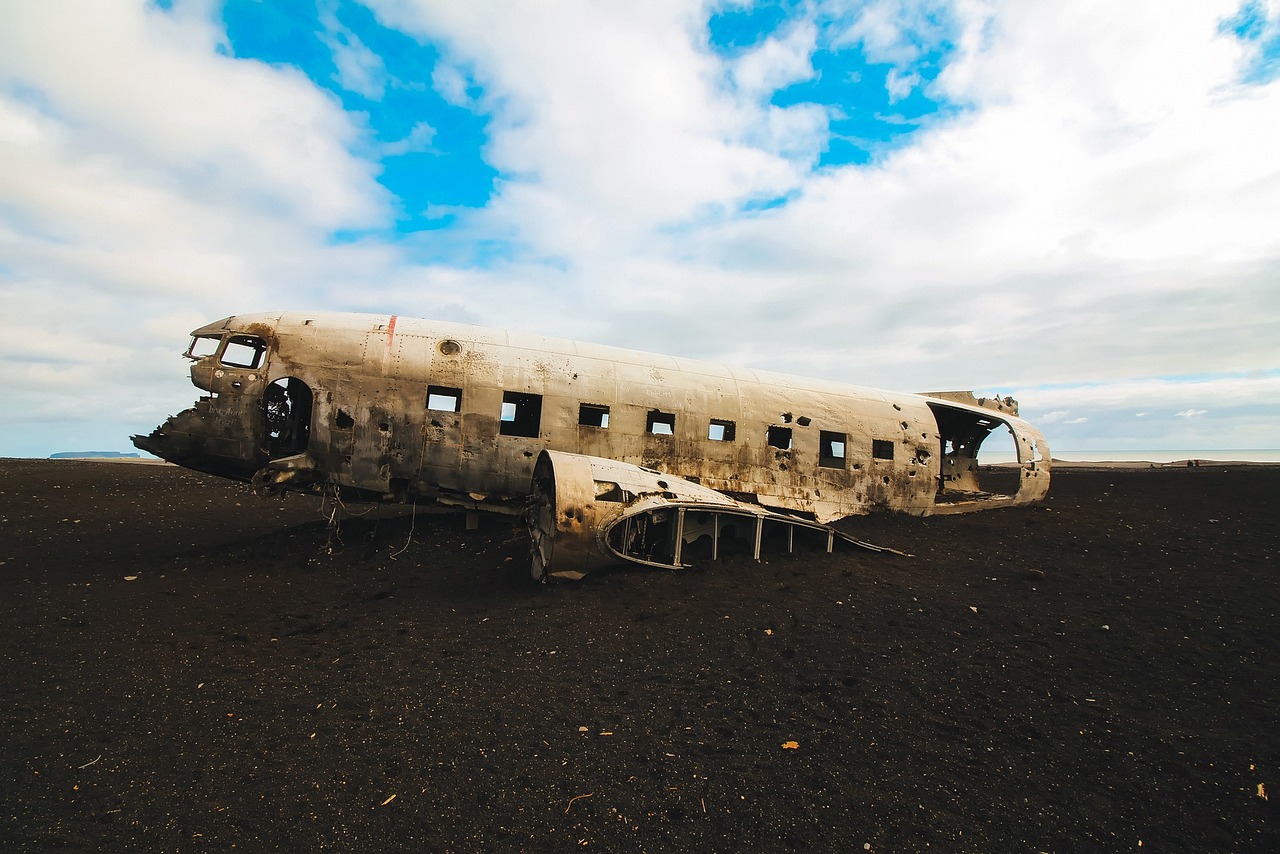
(1247, 455)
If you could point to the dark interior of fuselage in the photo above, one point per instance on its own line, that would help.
(286, 406)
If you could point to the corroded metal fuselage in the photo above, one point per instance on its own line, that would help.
(399, 409)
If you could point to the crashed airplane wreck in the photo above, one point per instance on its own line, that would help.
(611, 455)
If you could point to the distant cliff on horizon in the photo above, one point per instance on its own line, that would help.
(92, 455)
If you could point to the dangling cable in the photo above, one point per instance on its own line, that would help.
(413, 521)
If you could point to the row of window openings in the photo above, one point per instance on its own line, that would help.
(522, 416)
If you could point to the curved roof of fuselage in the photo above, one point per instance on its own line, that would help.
(282, 322)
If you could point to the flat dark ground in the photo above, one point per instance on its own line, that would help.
(1092, 674)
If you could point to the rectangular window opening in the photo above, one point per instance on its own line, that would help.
(780, 437)
(661, 423)
(831, 449)
(243, 351)
(593, 415)
(521, 414)
(444, 399)
(881, 449)
(720, 431)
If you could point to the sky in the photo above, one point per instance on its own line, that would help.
(1075, 202)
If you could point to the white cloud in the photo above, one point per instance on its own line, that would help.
(360, 70)
(150, 183)
(612, 120)
(777, 62)
(1191, 413)
(900, 84)
(419, 138)
(893, 32)
(1155, 394)
(889, 31)
(148, 91)
(452, 84)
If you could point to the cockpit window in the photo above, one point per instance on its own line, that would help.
(203, 345)
(243, 351)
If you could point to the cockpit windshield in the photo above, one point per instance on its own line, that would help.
(203, 345)
(241, 351)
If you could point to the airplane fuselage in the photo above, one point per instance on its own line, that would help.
(401, 409)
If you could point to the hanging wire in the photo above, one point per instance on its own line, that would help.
(333, 524)
(413, 521)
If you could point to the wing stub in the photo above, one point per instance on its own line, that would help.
(588, 512)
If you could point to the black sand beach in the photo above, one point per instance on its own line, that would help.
(184, 666)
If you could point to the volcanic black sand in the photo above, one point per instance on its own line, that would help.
(185, 666)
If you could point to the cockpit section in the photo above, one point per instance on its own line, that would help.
(226, 362)
(245, 420)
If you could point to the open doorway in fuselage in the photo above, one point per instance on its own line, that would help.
(286, 408)
(980, 456)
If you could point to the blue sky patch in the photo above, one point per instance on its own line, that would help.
(1261, 34)
(870, 115)
(735, 30)
(874, 105)
(431, 150)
